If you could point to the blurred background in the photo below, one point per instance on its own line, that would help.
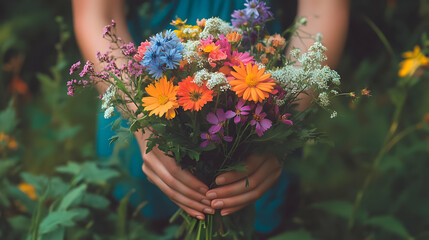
(367, 181)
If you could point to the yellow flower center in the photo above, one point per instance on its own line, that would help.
(195, 96)
(251, 80)
(162, 99)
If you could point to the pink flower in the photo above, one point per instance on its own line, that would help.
(141, 51)
(240, 110)
(217, 55)
(218, 120)
(259, 120)
(238, 57)
(209, 138)
(285, 120)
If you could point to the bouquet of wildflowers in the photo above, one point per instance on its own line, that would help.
(211, 94)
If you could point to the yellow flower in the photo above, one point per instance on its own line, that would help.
(251, 83)
(412, 62)
(28, 189)
(178, 22)
(162, 99)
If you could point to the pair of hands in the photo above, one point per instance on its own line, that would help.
(196, 198)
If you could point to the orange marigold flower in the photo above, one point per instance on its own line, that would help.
(28, 189)
(251, 83)
(162, 99)
(264, 60)
(233, 37)
(193, 97)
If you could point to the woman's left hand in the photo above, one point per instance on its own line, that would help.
(233, 194)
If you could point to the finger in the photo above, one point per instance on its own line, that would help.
(177, 196)
(252, 163)
(183, 176)
(191, 211)
(243, 185)
(161, 171)
(228, 211)
(248, 197)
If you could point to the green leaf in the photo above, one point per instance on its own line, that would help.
(56, 220)
(6, 165)
(95, 201)
(389, 224)
(57, 234)
(122, 214)
(116, 124)
(338, 208)
(81, 213)
(92, 173)
(19, 223)
(294, 235)
(71, 168)
(72, 197)
(8, 119)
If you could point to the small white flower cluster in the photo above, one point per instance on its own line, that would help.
(334, 114)
(309, 73)
(215, 26)
(324, 99)
(211, 80)
(190, 50)
(190, 31)
(107, 105)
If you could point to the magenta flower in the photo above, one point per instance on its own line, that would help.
(209, 139)
(240, 110)
(237, 57)
(218, 120)
(259, 120)
(213, 138)
(285, 120)
(74, 68)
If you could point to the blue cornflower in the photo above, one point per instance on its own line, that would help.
(156, 70)
(165, 52)
(171, 58)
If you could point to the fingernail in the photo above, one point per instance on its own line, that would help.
(211, 195)
(206, 202)
(203, 190)
(200, 217)
(220, 180)
(218, 204)
(208, 210)
(225, 213)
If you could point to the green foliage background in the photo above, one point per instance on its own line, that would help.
(56, 132)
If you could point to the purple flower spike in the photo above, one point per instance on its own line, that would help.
(209, 139)
(74, 68)
(285, 119)
(218, 119)
(259, 120)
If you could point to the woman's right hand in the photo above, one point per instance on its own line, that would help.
(178, 184)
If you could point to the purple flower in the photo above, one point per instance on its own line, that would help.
(88, 68)
(240, 110)
(74, 68)
(285, 119)
(209, 138)
(213, 138)
(259, 120)
(218, 119)
(128, 49)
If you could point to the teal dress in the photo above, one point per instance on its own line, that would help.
(158, 16)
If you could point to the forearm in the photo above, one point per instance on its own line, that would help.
(90, 17)
(331, 19)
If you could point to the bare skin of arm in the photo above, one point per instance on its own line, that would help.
(181, 186)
